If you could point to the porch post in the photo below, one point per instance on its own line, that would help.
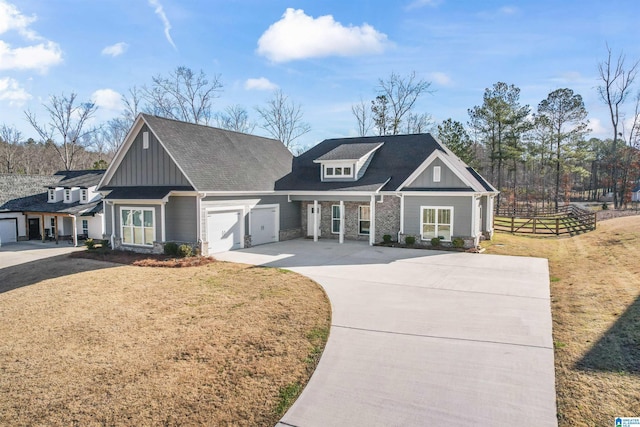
(57, 228)
(44, 238)
(113, 225)
(342, 216)
(372, 220)
(315, 220)
(75, 232)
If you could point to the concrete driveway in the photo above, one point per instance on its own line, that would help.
(22, 252)
(424, 338)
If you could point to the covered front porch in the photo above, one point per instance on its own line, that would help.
(52, 227)
(348, 217)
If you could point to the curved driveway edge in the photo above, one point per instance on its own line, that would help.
(424, 338)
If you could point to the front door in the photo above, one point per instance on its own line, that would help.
(34, 229)
(310, 219)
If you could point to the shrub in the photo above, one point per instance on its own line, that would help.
(185, 251)
(386, 238)
(410, 240)
(90, 244)
(435, 241)
(171, 249)
(605, 206)
(458, 242)
(105, 244)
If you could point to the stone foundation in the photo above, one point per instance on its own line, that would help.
(292, 233)
(469, 242)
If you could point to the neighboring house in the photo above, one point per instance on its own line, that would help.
(635, 193)
(64, 206)
(219, 190)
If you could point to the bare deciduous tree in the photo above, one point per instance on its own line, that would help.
(66, 127)
(361, 113)
(235, 118)
(418, 123)
(616, 79)
(10, 141)
(282, 119)
(182, 95)
(401, 92)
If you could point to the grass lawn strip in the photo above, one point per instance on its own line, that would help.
(211, 345)
(595, 303)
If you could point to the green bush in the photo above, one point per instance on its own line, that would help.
(90, 244)
(410, 240)
(386, 238)
(171, 249)
(458, 242)
(435, 241)
(185, 251)
(605, 206)
(105, 244)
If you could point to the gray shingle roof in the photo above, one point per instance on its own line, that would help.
(141, 193)
(391, 165)
(39, 203)
(13, 186)
(221, 160)
(80, 178)
(353, 151)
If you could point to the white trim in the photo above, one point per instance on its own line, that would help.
(277, 218)
(333, 219)
(156, 202)
(113, 224)
(437, 173)
(422, 208)
(75, 231)
(342, 219)
(474, 208)
(199, 220)
(153, 218)
(145, 140)
(401, 216)
(435, 155)
(227, 193)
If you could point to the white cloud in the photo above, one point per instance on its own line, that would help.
(260, 83)
(441, 78)
(10, 90)
(37, 57)
(159, 10)
(115, 49)
(417, 4)
(508, 10)
(299, 36)
(12, 19)
(107, 99)
(597, 129)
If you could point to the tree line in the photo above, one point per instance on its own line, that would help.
(534, 156)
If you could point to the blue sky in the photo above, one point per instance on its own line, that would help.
(325, 55)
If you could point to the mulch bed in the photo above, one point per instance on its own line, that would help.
(143, 260)
(432, 248)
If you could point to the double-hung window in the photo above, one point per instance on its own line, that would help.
(138, 226)
(437, 222)
(335, 219)
(364, 219)
(85, 227)
(83, 195)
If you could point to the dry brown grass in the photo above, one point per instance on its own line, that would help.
(595, 302)
(211, 345)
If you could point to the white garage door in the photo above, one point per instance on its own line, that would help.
(224, 231)
(8, 231)
(264, 225)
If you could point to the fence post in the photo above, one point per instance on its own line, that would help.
(595, 220)
(512, 218)
(534, 225)
(557, 226)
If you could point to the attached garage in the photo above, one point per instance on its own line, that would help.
(225, 230)
(264, 224)
(8, 230)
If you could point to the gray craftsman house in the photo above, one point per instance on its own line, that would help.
(220, 190)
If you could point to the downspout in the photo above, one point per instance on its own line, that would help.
(113, 225)
(198, 219)
(162, 222)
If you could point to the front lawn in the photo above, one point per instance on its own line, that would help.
(595, 303)
(221, 344)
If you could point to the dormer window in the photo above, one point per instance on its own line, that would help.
(347, 162)
(52, 195)
(83, 195)
(67, 195)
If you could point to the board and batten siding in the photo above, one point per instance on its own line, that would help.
(150, 166)
(289, 211)
(448, 179)
(462, 207)
(181, 225)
